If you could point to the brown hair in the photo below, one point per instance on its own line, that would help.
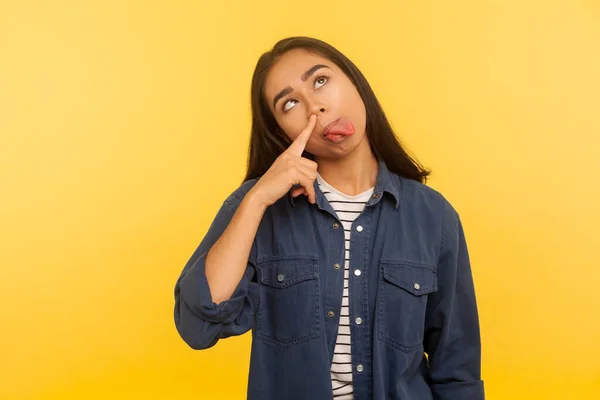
(268, 141)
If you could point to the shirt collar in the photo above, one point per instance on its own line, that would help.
(385, 182)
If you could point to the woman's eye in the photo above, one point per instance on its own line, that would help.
(289, 104)
(320, 81)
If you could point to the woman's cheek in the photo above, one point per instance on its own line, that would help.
(285, 127)
(335, 96)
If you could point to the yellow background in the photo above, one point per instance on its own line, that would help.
(124, 124)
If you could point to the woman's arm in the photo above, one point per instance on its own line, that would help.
(452, 335)
(226, 261)
(216, 293)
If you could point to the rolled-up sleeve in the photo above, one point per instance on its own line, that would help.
(452, 334)
(200, 321)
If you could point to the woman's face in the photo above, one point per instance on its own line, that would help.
(300, 84)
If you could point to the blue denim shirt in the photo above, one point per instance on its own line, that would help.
(410, 283)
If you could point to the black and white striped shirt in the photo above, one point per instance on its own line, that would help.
(347, 208)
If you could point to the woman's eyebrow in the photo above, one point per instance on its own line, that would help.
(312, 70)
(304, 78)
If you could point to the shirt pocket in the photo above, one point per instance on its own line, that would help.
(403, 290)
(289, 293)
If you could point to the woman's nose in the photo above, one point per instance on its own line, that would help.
(316, 109)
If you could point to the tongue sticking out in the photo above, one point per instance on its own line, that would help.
(339, 130)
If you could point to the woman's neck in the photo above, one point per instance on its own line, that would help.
(353, 174)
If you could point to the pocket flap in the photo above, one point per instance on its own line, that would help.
(283, 272)
(418, 280)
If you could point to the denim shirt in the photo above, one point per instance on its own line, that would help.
(417, 336)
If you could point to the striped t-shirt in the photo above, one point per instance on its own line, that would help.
(347, 208)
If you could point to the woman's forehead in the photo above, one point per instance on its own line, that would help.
(299, 56)
(289, 68)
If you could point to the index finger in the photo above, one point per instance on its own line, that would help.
(297, 147)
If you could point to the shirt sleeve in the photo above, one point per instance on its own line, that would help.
(452, 335)
(199, 321)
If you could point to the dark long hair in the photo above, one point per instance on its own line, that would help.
(268, 141)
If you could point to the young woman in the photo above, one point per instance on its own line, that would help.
(352, 274)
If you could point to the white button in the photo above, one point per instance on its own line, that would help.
(357, 272)
(358, 320)
(280, 277)
(417, 286)
(359, 228)
(360, 368)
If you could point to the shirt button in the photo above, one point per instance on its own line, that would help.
(336, 225)
(357, 272)
(359, 228)
(376, 196)
(417, 286)
(336, 266)
(330, 314)
(360, 368)
(280, 277)
(358, 320)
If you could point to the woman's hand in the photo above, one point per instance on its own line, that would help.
(289, 169)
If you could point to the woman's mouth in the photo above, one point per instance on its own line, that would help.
(338, 130)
